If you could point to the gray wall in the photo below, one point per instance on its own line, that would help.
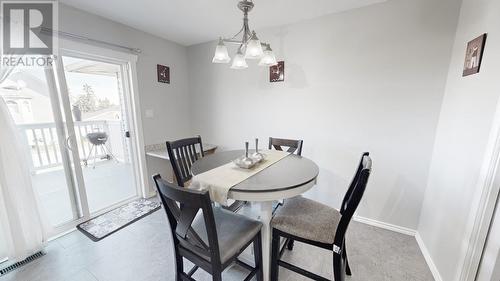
(370, 79)
(169, 101)
(468, 123)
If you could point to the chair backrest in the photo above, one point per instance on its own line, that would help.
(354, 180)
(182, 154)
(294, 146)
(182, 205)
(349, 206)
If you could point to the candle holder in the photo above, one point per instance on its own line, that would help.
(257, 156)
(244, 161)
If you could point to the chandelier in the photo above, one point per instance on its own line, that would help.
(250, 46)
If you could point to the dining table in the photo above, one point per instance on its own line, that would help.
(289, 177)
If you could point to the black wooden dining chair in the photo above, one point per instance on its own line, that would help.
(294, 146)
(182, 154)
(211, 239)
(310, 222)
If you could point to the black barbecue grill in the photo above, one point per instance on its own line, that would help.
(98, 140)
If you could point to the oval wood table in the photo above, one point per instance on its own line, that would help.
(289, 177)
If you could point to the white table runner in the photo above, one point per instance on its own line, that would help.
(219, 181)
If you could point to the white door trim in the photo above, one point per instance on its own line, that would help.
(483, 206)
(136, 123)
(95, 51)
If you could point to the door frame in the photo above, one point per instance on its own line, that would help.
(127, 61)
(483, 207)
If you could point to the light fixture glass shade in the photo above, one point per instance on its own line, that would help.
(254, 48)
(268, 58)
(239, 61)
(221, 55)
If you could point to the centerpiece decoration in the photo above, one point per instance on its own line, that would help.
(248, 161)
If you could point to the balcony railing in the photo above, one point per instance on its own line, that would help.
(43, 144)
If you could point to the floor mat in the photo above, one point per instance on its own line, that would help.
(114, 220)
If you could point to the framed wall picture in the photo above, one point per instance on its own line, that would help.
(474, 55)
(163, 73)
(277, 72)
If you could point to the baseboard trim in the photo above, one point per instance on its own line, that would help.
(428, 259)
(388, 226)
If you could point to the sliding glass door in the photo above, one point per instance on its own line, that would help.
(74, 119)
(100, 123)
(34, 106)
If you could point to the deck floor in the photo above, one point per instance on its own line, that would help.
(106, 184)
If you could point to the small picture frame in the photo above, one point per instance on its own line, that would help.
(163, 73)
(277, 72)
(474, 55)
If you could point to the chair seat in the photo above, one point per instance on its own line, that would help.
(307, 219)
(234, 231)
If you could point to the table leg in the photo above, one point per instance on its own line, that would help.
(266, 213)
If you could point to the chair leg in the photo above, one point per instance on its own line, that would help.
(217, 276)
(347, 267)
(216, 271)
(257, 252)
(275, 256)
(180, 267)
(289, 244)
(338, 272)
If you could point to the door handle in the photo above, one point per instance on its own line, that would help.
(127, 134)
(67, 143)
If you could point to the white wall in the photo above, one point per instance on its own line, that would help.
(370, 79)
(465, 123)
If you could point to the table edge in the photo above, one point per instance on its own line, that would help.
(275, 190)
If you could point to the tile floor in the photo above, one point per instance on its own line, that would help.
(142, 252)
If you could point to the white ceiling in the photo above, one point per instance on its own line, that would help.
(191, 22)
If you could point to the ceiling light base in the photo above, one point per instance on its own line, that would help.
(245, 6)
